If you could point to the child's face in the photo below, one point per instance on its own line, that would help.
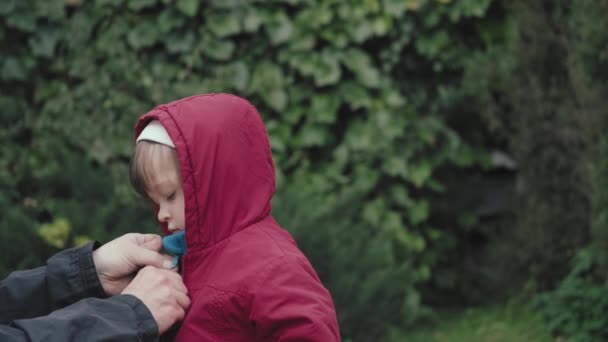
(165, 189)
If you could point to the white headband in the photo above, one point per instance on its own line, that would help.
(155, 132)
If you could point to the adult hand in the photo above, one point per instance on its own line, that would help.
(163, 292)
(117, 261)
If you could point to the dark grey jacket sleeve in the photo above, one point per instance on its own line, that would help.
(68, 277)
(43, 305)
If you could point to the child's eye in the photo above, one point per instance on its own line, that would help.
(171, 197)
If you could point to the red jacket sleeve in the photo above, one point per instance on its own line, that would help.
(291, 304)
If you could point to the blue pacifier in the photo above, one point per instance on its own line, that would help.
(175, 244)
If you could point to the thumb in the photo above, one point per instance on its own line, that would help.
(142, 256)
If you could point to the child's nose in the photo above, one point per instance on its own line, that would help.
(163, 215)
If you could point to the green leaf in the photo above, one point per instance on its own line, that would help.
(361, 31)
(81, 240)
(382, 25)
(169, 19)
(236, 74)
(396, 166)
(418, 211)
(268, 81)
(44, 42)
(395, 8)
(433, 45)
(16, 69)
(420, 173)
(23, 20)
(314, 17)
(280, 28)
(267, 75)
(360, 64)
(137, 5)
(336, 37)
(7, 6)
(229, 4)
(253, 19)
(223, 25)
(188, 7)
(311, 135)
(144, 34)
(56, 233)
(324, 108)
(355, 95)
(276, 98)
(179, 42)
(303, 42)
(51, 9)
(374, 211)
(327, 71)
(218, 49)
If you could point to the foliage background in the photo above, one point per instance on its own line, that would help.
(430, 153)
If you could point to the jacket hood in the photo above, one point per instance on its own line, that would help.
(226, 164)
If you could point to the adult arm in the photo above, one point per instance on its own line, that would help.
(120, 318)
(68, 277)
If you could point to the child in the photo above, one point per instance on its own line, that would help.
(205, 162)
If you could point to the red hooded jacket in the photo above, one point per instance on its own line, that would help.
(246, 277)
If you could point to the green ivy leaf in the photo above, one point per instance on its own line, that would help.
(324, 108)
(432, 46)
(355, 95)
(7, 6)
(418, 211)
(145, 34)
(179, 42)
(268, 81)
(44, 42)
(276, 98)
(396, 166)
(188, 7)
(81, 240)
(253, 20)
(51, 9)
(23, 20)
(311, 135)
(360, 64)
(395, 8)
(420, 173)
(56, 233)
(303, 42)
(361, 31)
(374, 211)
(169, 19)
(236, 74)
(137, 5)
(16, 69)
(267, 75)
(327, 71)
(279, 28)
(218, 49)
(223, 25)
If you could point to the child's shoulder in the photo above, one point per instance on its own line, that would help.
(266, 242)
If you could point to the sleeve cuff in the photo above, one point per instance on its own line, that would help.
(88, 274)
(146, 324)
(71, 276)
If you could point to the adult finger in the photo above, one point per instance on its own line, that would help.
(182, 300)
(177, 282)
(150, 241)
(144, 257)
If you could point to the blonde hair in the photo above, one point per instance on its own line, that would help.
(144, 164)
